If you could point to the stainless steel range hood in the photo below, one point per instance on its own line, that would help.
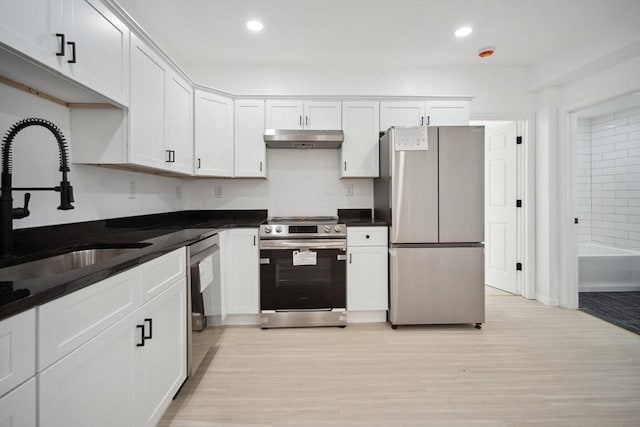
(293, 138)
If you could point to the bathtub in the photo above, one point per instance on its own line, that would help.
(603, 268)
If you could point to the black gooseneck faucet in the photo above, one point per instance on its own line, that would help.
(7, 211)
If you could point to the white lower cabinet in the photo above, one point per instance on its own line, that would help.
(159, 355)
(92, 385)
(18, 407)
(367, 273)
(240, 275)
(125, 372)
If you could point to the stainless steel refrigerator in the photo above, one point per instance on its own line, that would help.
(431, 192)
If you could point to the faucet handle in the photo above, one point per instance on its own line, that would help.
(19, 213)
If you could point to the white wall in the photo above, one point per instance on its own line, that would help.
(495, 89)
(300, 182)
(99, 193)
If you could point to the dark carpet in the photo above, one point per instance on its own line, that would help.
(620, 308)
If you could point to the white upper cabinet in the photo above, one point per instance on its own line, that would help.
(284, 114)
(322, 115)
(401, 113)
(250, 149)
(213, 134)
(297, 114)
(80, 39)
(179, 124)
(423, 113)
(146, 110)
(443, 113)
(359, 151)
(156, 132)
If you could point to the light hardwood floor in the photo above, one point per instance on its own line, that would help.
(530, 365)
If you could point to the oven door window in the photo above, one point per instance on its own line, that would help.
(285, 286)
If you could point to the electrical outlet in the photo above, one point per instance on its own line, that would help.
(217, 191)
(132, 189)
(349, 189)
(179, 192)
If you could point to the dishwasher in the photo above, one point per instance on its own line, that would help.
(203, 276)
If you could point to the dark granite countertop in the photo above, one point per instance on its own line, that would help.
(359, 218)
(163, 232)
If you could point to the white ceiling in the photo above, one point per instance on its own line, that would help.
(365, 32)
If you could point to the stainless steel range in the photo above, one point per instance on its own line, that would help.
(303, 272)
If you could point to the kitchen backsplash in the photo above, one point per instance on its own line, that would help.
(300, 182)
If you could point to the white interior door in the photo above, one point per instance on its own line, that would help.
(500, 206)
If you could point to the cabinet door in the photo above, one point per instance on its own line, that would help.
(213, 135)
(359, 152)
(409, 113)
(160, 364)
(179, 123)
(30, 27)
(250, 150)
(367, 278)
(242, 271)
(18, 349)
(101, 49)
(443, 113)
(284, 114)
(92, 385)
(146, 107)
(18, 408)
(322, 115)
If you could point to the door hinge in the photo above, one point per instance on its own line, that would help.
(519, 203)
(518, 140)
(519, 266)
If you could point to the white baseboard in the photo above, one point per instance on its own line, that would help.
(370, 316)
(609, 287)
(242, 319)
(554, 302)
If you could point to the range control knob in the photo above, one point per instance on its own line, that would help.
(327, 229)
(278, 229)
(337, 229)
(267, 229)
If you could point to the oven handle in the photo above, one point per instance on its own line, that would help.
(303, 244)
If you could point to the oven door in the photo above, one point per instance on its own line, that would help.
(303, 274)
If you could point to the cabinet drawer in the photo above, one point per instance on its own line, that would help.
(18, 408)
(17, 350)
(367, 236)
(159, 274)
(68, 322)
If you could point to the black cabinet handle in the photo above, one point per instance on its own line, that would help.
(260, 166)
(428, 120)
(73, 52)
(60, 51)
(171, 156)
(306, 120)
(350, 257)
(301, 121)
(345, 166)
(421, 120)
(367, 236)
(150, 322)
(254, 240)
(141, 327)
(199, 163)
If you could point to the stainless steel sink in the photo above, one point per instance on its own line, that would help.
(72, 260)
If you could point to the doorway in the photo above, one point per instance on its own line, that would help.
(506, 227)
(607, 206)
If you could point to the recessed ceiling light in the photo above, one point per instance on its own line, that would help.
(254, 25)
(463, 31)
